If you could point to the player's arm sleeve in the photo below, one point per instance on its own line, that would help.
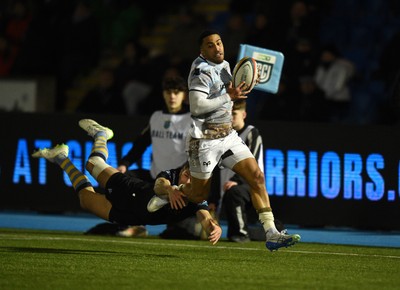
(167, 174)
(200, 104)
(139, 146)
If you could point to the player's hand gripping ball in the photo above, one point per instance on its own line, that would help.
(245, 71)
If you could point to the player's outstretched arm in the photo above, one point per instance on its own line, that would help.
(210, 225)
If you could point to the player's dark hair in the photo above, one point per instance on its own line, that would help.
(175, 83)
(239, 105)
(206, 33)
(332, 48)
(185, 166)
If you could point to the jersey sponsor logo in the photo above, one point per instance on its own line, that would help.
(167, 124)
(206, 163)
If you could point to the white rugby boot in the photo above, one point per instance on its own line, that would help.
(92, 128)
(279, 240)
(59, 151)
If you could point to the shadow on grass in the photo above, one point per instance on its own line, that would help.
(74, 251)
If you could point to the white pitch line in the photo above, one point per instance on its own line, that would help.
(18, 237)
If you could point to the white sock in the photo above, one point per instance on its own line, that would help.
(267, 220)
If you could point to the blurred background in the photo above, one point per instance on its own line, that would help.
(54, 52)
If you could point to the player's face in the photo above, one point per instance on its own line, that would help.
(173, 100)
(238, 117)
(212, 48)
(184, 176)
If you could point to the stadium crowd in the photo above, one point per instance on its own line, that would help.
(76, 40)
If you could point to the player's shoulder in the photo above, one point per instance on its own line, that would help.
(201, 65)
(254, 131)
(247, 129)
(252, 128)
(156, 114)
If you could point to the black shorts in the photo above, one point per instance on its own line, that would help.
(129, 197)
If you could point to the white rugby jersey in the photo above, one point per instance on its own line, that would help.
(168, 134)
(209, 101)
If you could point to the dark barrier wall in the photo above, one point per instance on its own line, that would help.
(316, 174)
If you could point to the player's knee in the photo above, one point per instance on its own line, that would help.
(89, 166)
(95, 165)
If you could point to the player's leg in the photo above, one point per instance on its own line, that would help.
(201, 165)
(96, 164)
(250, 171)
(89, 199)
(242, 162)
(99, 169)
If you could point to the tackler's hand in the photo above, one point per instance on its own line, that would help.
(215, 232)
(176, 198)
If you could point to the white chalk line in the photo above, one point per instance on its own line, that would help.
(168, 244)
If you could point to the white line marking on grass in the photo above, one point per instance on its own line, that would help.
(344, 254)
(19, 237)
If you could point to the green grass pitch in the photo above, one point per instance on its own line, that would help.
(32, 259)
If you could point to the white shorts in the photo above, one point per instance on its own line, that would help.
(205, 154)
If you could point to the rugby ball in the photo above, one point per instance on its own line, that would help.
(245, 71)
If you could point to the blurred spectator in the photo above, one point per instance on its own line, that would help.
(240, 6)
(300, 23)
(264, 33)
(389, 72)
(106, 12)
(234, 34)
(389, 62)
(313, 107)
(38, 54)
(133, 64)
(282, 106)
(3, 15)
(333, 76)
(105, 97)
(79, 48)
(131, 76)
(301, 60)
(8, 54)
(178, 49)
(18, 22)
(127, 24)
(15, 22)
